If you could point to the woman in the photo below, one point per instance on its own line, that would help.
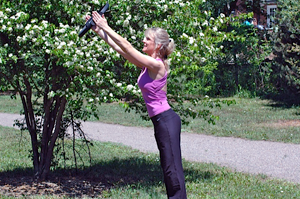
(153, 84)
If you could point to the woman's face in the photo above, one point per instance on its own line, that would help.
(149, 45)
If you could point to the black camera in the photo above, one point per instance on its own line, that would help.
(90, 23)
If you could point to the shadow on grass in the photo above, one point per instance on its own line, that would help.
(283, 100)
(92, 181)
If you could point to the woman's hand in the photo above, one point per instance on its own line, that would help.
(100, 21)
(94, 28)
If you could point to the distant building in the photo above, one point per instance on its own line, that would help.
(267, 18)
(263, 11)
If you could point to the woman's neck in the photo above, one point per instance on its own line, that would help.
(155, 55)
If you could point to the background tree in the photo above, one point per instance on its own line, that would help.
(286, 38)
(241, 61)
(241, 67)
(228, 7)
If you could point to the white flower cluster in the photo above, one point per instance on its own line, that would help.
(191, 39)
(205, 23)
(96, 2)
(17, 15)
(133, 88)
(128, 88)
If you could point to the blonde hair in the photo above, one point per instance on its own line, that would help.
(167, 44)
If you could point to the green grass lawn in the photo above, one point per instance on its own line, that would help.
(9, 105)
(253, 119)
(118, 172)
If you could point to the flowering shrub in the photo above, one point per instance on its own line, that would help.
(42, 56)
(94, 65)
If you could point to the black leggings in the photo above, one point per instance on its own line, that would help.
(167, 128)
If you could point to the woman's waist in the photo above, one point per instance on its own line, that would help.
(157, 108)
(165, 116)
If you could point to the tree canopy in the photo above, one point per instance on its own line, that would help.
(286, 49)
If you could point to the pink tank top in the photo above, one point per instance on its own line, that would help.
(155, 98)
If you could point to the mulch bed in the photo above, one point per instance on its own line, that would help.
(56, 186)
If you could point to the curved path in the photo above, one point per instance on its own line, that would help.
(277, 160)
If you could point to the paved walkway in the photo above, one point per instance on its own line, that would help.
(276, 160)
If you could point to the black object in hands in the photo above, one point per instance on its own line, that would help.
(90, 23)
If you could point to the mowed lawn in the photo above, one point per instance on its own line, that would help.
(253, 119)
(117, 171)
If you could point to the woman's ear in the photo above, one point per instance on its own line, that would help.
(159, 46)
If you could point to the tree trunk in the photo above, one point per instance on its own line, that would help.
(30, 121)
(236, 72)
(51, 128)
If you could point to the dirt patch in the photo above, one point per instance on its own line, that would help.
(59, 187)
(281, 124)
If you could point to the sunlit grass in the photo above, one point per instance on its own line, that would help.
(9, 105)
(253, 119)
(129, 173)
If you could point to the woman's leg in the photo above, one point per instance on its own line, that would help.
(167, 128)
